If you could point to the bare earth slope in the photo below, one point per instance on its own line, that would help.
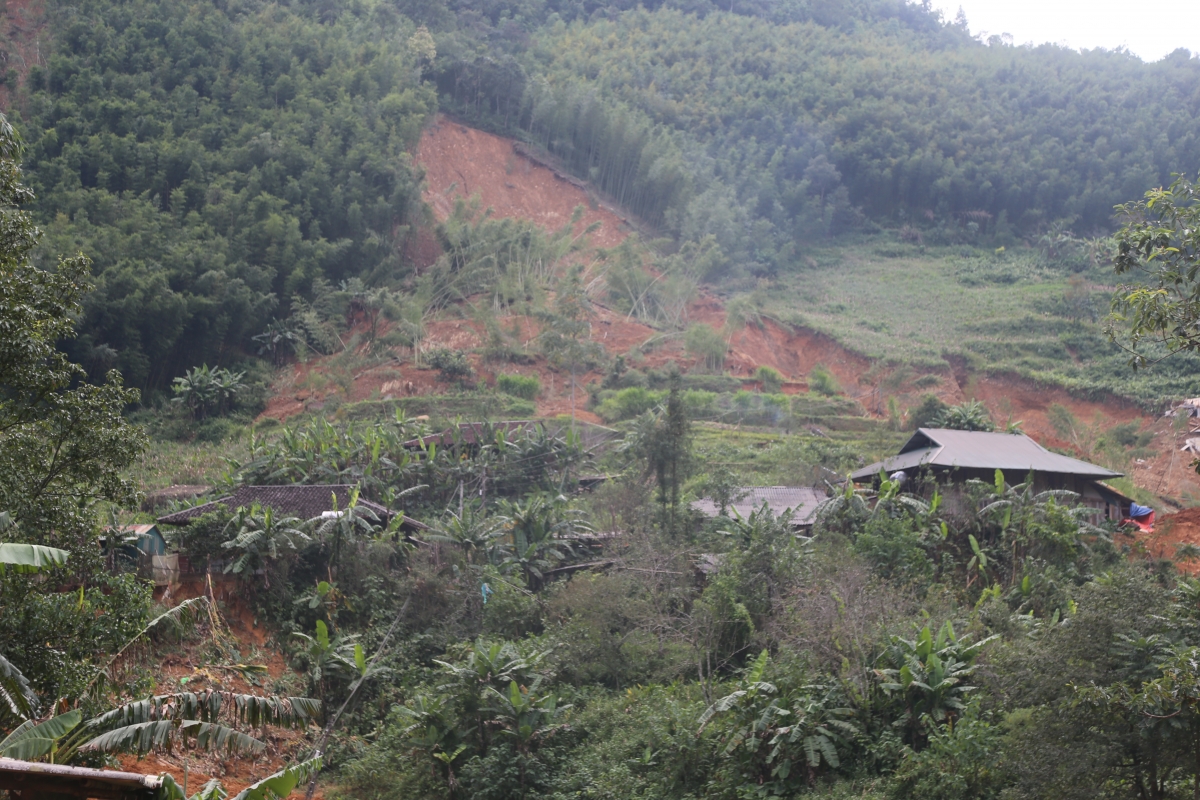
(461, 162)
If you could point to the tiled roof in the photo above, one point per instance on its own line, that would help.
(941, 447)
(296, 500)
(802, 501)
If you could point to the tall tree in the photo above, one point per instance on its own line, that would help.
(63, 442)
(1161, 241)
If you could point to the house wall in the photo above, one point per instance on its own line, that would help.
(1104, 504)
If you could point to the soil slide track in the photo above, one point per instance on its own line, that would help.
(460, 162)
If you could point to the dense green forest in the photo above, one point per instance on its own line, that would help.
(768, 135)
(214, 161)
(219, 162)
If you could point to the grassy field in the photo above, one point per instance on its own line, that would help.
(1001, 312)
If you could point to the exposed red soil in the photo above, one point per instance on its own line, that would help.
(188, 669)
(23, 25)
(461, 162)
(1170, 531)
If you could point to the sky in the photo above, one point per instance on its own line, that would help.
(1150, 31)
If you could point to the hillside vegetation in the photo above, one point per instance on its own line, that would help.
(760, 242)
(220, 164)
(215, 161)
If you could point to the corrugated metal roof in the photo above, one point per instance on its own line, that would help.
(941, 447)
(801, 500)
(303, 501)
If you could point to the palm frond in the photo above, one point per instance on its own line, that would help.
(15, 691)
(27, 558)
(143, 737)
(33, 740)
(282, 783)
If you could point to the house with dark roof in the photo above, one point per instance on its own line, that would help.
(952, 456)
(295, 500)
(799, 501)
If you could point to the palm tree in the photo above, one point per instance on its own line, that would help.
(327, 657)
(344, 526)
(471, 531)
(259, 538)
(543, 533)
(928, 675)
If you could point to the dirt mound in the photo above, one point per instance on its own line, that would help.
(1171, 531)
(461, 162)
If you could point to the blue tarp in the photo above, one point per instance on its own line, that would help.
(1136, 511)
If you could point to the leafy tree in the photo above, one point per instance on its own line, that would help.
(565, 336)
(1161, 241)
(927, 677)
(542, 532)
(663, 440)
(706, 344)
(204, 391)
(64, 443)
(258, 538)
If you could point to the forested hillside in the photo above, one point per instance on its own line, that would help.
(218, 162)
(213, 161)
(394, 375)
(764, 133)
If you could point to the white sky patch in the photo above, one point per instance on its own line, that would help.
(1150, 30)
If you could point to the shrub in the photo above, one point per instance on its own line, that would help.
(821, 381)
(452, 364)
(929, 409)
(523, 386)
(628, 403)
(770, 378)
(705, 343)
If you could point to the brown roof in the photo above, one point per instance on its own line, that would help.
(298, 500)
(949, 449)
(802, 501)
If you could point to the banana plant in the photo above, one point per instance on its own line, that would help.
(17, 698)
(207, 720)
(273, 787)
(258, 537)
(329, 656)
(771, 732)
(32, 741)
(432, 727)
(524, 716)
(927, 675)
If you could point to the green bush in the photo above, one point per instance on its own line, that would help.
(452, 365)
(929, 409)
(821, 381)
(523, 386)
(706, 343)
(627, 403)
(770, 379)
